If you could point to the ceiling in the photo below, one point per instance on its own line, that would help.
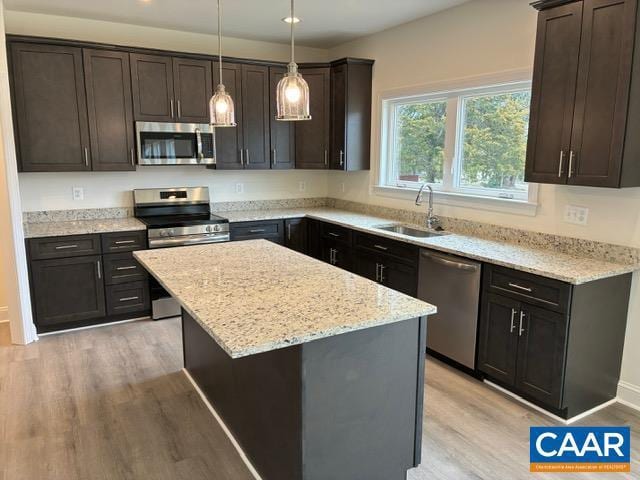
(325, 23)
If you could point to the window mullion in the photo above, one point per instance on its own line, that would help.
(449, 143)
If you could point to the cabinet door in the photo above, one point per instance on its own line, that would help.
(255, 116)
(152, 84)
(314, 239)
(110, 108)
(602, 95)
(498, 341)
(541, 354)
(338, 116)
(282, 133)
(296, 234)
(193, 86)
(312, 136)
(67, 290)
(229, 147)
(367, 266)
(553, 93)
(337, 254)
(50, 108)
(399, 276)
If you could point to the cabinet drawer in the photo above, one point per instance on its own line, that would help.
(122, 268)
(269, 229)
(399, 250)
(124, 241)
(336, 233)
(546, 292)
(63, 247)
(128, 298)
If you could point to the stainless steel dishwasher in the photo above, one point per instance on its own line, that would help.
(453, 285)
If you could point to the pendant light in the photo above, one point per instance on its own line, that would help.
(293, 91)
(221, 109)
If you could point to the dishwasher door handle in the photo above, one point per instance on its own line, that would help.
(451, 263)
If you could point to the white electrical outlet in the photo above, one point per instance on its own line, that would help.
(302, 186)
(77, 193)
(239, 187)
(576, 215)
(344, 188)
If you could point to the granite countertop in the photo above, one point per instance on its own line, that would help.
(82, 227)
(255, 296)
(545, 262)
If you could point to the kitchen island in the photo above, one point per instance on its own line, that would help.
(317, 373)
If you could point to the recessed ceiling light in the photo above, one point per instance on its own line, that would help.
(288, 20)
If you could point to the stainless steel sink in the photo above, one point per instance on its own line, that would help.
(409, 231)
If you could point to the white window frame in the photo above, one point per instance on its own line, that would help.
(450, 191)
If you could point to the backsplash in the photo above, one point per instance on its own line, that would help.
(568, 245)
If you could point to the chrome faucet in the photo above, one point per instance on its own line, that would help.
(433, 222)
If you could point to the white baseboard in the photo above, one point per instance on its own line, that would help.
(4, 314)
(629, 395)
(227, 432)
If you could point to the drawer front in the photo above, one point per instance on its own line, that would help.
(336, 233)
(122, 268)
(63, 247)
(128, 298)
(545, 292)
(124, 241)
(269, 229)
(400, 250)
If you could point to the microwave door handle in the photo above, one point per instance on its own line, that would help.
(199, 143)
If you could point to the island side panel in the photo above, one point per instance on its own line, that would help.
(362, 403)
(258, 397)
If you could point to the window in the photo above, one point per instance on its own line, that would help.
(470, 141)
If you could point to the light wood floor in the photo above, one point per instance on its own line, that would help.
(112, 403)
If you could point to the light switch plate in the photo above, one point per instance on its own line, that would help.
(239, 187)
(576, 215)
(78, 193)
(302, 186)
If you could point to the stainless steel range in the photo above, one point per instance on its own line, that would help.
(176, 217)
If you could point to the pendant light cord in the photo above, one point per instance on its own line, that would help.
(292, 24)
(220, 41)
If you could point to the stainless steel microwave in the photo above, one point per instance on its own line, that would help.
(175, 143)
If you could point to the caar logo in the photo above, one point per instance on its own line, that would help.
(580, 449)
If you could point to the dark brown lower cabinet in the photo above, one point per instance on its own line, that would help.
(128, 298)
(263, 229)
(388, 272)
(337, 253)
(555, 344)
(67, 290)
(295, 231)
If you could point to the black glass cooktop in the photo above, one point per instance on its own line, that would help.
(162, 221)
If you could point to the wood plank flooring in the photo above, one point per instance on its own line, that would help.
(112, 403)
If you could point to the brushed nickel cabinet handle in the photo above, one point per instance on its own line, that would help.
(248, 156)
(258, 230)
(99, 265)
(561, 164)
(86, 156)
(521, 329)
(289, 232)
(341, 158)
(132, 267)
(65, 247)
(127, 299)
(275, 157)
(326, 158)
(242, 157)
(520, 287)
(377, 272)
(133, 157)
(179, 110)
(380, 247)
(572, 156)
(382, 267)
(336, 235)
(125, 242)
(171, 106)
(513, 320)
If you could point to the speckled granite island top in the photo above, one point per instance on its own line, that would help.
(82, 227)
(549, 263)
(256, 296)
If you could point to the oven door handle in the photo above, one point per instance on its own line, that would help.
(188, 240)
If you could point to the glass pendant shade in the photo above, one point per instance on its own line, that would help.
(293, 96)
(221, 109)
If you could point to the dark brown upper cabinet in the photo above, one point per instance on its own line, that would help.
(152, 83)
(110, 110)
(282, 134)
(313, 136)
(170, 89)
(229, 146)
(255, 117)
(585, 99)
(350, 114)
(193, 87)
(50, 108)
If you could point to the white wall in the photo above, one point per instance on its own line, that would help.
(52, 191)
(480, 38)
